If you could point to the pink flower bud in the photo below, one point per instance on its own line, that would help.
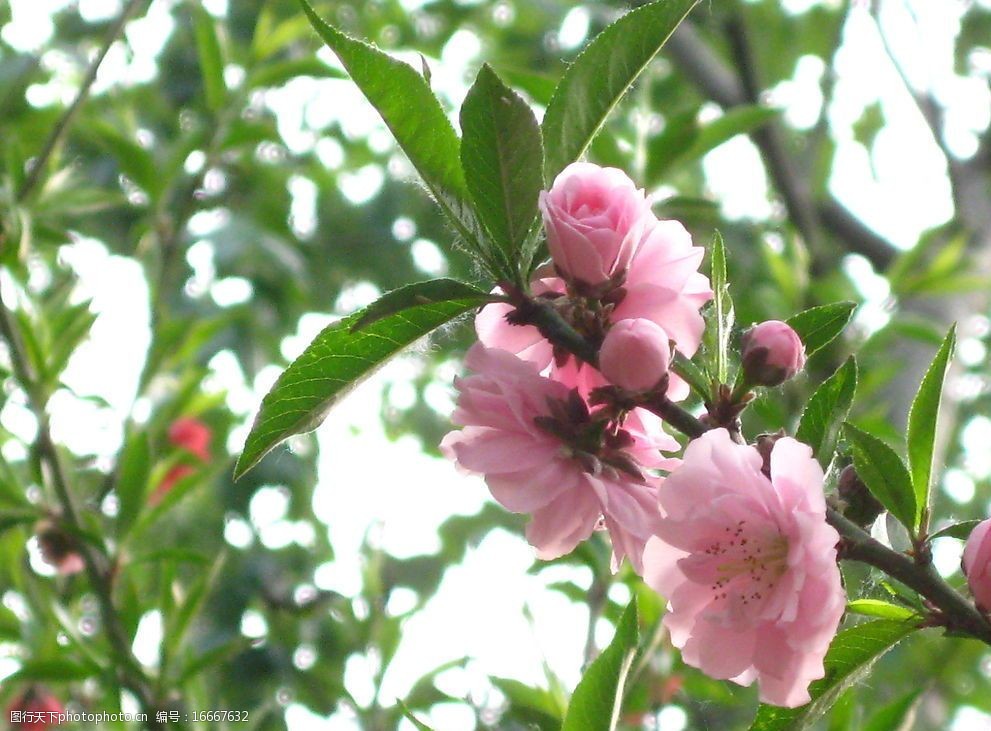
(59, 548)
(977, 564)
(635, 354)
(34, 710)
(772, 353)
(595, 218)
(192, 435)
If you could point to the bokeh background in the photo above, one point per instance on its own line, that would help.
(225, 192)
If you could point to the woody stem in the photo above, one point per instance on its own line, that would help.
(958, 613)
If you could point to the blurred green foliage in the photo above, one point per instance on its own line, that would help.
(207, 149)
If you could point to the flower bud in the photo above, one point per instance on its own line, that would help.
(34, 710)
(59, 548)
(977, 564)
(860, 505)
(772, 353)
(192, 435)
(595, 218)
(635, 355)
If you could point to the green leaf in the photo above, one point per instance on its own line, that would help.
(826, 411)
(132, 480)
(13, 518)
(211, 59)
(594, 84)
(178, 623)
(598, 699)
(278, 73)
(60, 670)
(336, 361)
(850, 657)
(884, 473)
(818, 326)
(533, 707)
(411, 111)
(684, 140)
(880, 609)
(215, 656)
(721, 317)
(413, 719)
(960, 530)
(921, 434)
(692, 374)
(502, 157)
(420, 293)
(896, 716)
(736, 121)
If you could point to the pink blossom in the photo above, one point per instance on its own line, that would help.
(771, 353)
(542, 452)
(635, 355)
(663, 285)
(594, 218)
(748, 565)
(977, 564)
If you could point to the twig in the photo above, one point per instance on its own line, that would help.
(598, 592)
(97, 564)
(708, 72)
(65, 121)
(957, 612)
(793, 187)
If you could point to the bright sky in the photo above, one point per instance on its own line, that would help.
(899, 187)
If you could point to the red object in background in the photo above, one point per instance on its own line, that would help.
(33, 710)
(193, 436)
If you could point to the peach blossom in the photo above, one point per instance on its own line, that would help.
(748, 565)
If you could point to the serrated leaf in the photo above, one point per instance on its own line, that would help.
(880, 609)
(851, 655)
(884, 473)
(336, 361)
(420, 293)
(211, 58)
(409, 108)
(601, 75)
(921, 433)
(721, 317)
(502, 157)
(598, 699)
(818, 326)
(826, 410)
(961, 530)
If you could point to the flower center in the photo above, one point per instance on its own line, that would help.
(597, 444)
(742, 568)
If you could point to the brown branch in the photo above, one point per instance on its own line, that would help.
(769, 139)
(98, 565)
(956, 613)
(65, 121)
(718, 82)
